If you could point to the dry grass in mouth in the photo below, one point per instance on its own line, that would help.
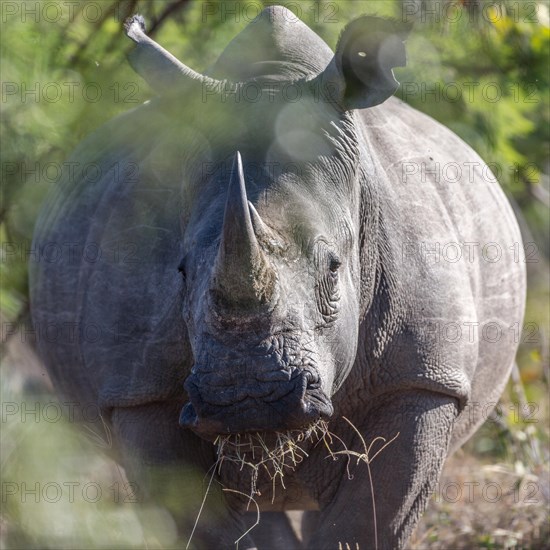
(281, 451)
(273, 453)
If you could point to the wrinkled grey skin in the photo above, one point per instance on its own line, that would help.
(302, 292)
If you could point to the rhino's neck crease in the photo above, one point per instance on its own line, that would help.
(369, 240)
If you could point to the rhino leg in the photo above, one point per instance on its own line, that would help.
(273, 531)
(310, 524)
(404, 474)
(168, 466)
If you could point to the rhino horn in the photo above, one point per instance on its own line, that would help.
(160, 69)
(243, 276)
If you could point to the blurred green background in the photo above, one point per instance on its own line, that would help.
(479, 67)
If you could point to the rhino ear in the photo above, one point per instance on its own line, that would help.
(368, 49)
(163, 72)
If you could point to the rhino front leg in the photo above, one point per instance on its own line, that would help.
(403, 475)
(167, 466)
(273, 532)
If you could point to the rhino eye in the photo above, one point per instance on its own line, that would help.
(335, 264)
(327, 288)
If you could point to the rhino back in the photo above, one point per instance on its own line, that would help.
(114, 297)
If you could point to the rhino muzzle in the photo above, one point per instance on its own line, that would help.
(260, 407)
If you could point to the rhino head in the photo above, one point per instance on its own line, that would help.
(279, 200)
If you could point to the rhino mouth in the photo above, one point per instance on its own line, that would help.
(268, 407)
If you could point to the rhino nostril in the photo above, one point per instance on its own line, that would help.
(312, 380)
